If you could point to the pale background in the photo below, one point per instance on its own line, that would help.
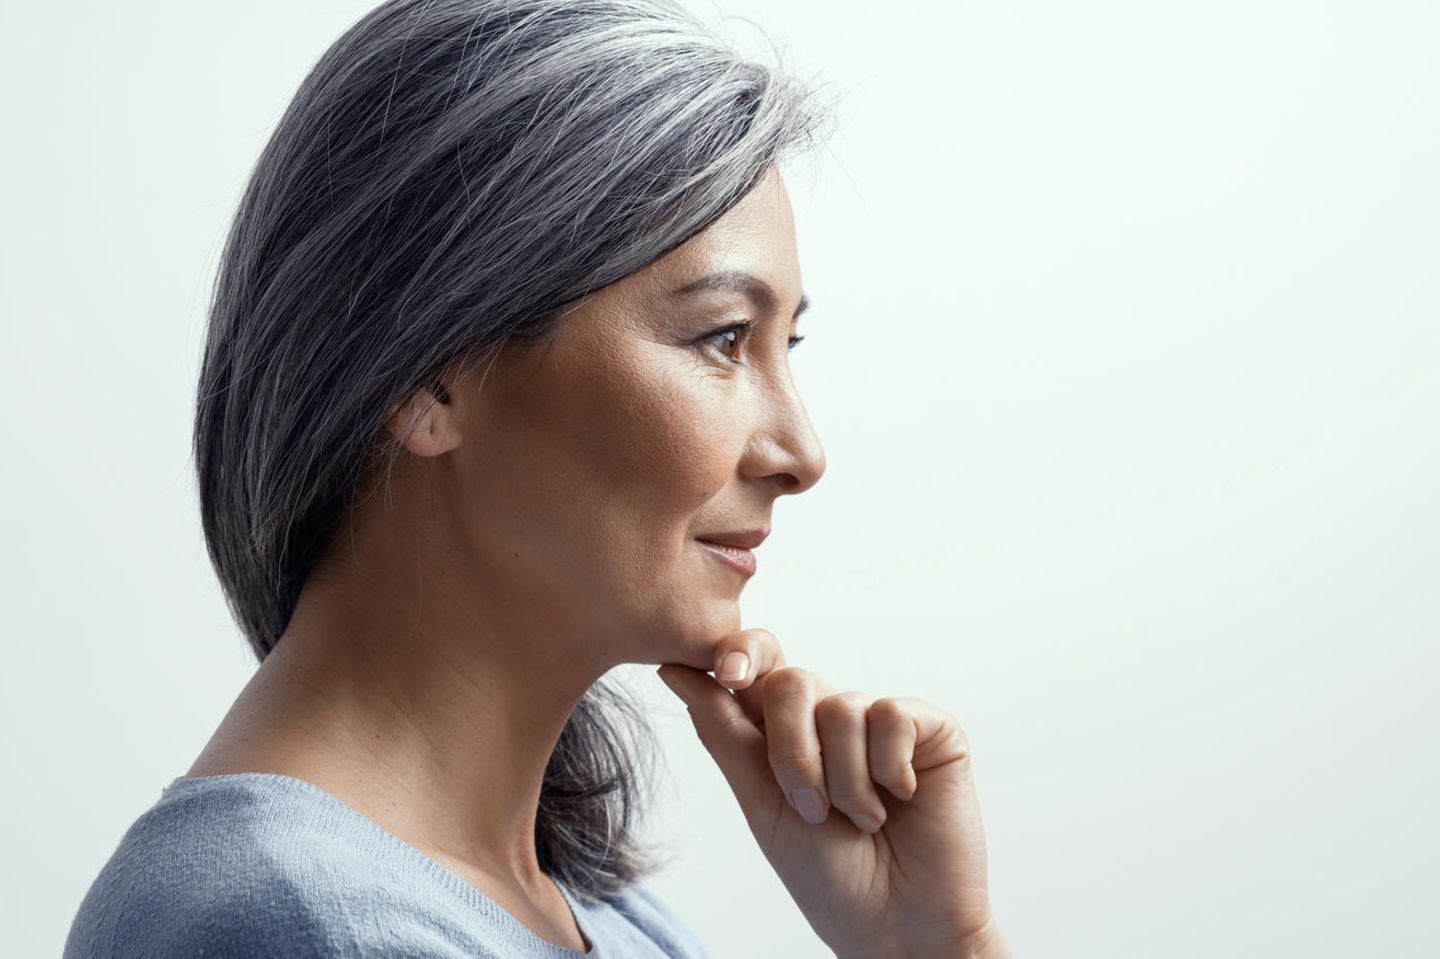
(1124, 355)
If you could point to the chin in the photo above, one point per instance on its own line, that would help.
(690, 636)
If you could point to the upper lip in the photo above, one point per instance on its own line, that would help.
(743, 539)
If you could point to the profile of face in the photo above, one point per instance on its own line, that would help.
(575, 476)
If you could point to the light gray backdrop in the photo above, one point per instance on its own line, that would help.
(1124, 354)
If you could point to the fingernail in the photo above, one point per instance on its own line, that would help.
(810, 806)
(866, 823)
(734, 667)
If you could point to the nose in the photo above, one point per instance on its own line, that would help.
(784, 448)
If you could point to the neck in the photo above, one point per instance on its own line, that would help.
(429, 719)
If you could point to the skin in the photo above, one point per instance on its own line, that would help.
(540, 530)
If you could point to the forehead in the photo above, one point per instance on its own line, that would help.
(761, 225)
(754, 237)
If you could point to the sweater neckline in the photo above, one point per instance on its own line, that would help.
(436, 869)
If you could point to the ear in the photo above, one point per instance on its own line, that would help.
(426, 422)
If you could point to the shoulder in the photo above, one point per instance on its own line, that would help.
(242, 866)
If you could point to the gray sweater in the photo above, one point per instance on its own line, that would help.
(263, 864)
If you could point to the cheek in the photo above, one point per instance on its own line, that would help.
(672, 446)
(590, 487)
(664, 442)
(627, 451)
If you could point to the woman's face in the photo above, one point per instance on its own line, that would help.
(589, 467)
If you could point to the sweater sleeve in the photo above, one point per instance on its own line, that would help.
(128, 914)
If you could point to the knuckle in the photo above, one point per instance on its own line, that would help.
(954, 734)
(847, 706)
(888, 709)
(789, 682)
(792, 763)
(731, 721)
(797, 676)
(953, 738)
(714, 734)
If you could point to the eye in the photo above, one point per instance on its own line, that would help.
(730, 338)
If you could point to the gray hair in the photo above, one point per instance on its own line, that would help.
(450, 175)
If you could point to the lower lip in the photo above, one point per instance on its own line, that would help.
(741, 559)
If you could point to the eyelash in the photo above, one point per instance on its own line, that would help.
(748, 327)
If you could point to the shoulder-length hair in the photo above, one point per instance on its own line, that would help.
(452, 174)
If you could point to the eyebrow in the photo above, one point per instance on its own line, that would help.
(741, 282)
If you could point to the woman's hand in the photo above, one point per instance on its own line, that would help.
(864, 807)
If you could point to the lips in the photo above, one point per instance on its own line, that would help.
(739, 539)
(734, 557)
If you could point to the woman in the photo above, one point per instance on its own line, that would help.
(496, 397)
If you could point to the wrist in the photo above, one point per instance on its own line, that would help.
(987, 942)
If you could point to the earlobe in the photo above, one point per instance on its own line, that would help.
(424, 423)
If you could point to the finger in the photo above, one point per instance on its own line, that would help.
(732, 740)
(892, 735)
(762, 655)
(938, 740)
(938, 736)
(742, 657)
(840, 720)
(792, 740)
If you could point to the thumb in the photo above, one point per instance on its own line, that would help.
(735, 743)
